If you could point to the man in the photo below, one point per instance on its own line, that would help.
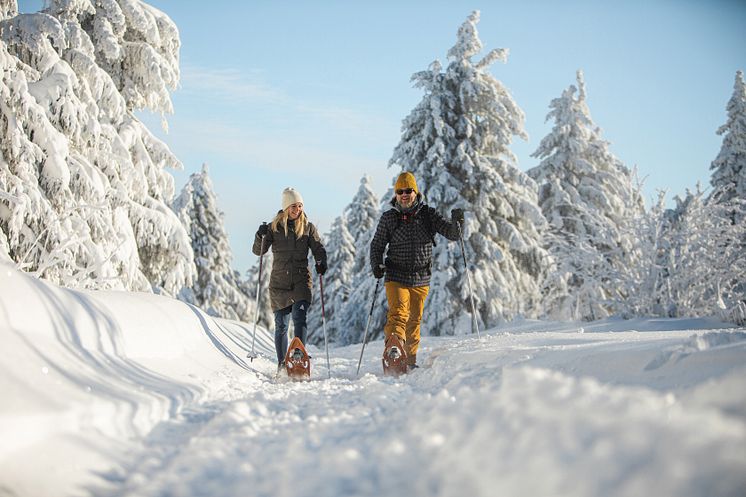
(408, 229)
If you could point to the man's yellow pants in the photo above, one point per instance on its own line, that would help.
(405, 315)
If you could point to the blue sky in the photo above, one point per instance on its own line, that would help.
(312, 94)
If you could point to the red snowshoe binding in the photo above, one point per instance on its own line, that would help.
(394, 357)
(297, 361)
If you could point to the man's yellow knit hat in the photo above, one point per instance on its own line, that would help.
(406, 180)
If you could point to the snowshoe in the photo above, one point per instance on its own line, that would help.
(297, 361)
(394, 357)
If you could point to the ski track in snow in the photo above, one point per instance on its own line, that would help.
(115, 394)
(695, 344)
(499, 415)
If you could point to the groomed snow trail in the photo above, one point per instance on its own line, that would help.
(543, 413)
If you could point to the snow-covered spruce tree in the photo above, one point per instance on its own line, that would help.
(729, 175)
(341, 257)
(706, 262)
(589, 200)
(729, 168)
(362, 215)
(217, 287)
(644, 278)
(52, 218)
(8, 9)
(85, 190)
(456, 142)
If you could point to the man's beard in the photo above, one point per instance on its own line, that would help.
(408, 204)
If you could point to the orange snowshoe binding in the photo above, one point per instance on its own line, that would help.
(297, 361)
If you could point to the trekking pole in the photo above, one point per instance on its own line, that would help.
(365, 335)
(323, 323)
(475, 324)
(251, 355)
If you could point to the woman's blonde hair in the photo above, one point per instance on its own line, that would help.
(281, 220)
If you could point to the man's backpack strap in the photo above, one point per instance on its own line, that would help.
(427, 219)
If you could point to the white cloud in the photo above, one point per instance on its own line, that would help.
(343, 118)
(230, 84)
(221, 142)
(248, 88)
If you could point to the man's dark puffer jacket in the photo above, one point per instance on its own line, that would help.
(409, 235)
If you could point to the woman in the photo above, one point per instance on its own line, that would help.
(290, 235)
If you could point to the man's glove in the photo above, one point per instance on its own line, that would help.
(457, 216)
(379, 271)
(263, 230)
(321, 267)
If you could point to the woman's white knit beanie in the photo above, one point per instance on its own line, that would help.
(290, 196)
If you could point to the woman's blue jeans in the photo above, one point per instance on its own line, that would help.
(282, 317)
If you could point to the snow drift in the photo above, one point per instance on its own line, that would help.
(116, 393)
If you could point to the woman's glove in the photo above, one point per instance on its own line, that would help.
(321, 267)
(263, 230)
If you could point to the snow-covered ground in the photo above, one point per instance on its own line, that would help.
(115, 393)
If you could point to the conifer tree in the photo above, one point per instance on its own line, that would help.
(643, 280)
(8, 9)
(729, 182)
(456, 141)
(729, 168)
(86, 190)
(362, 215)
(589, 200)
(706, 263)
(340, 248)
(216, 288)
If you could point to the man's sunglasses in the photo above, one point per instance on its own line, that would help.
(404, 190)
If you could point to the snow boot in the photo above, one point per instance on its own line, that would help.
(394, 357)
